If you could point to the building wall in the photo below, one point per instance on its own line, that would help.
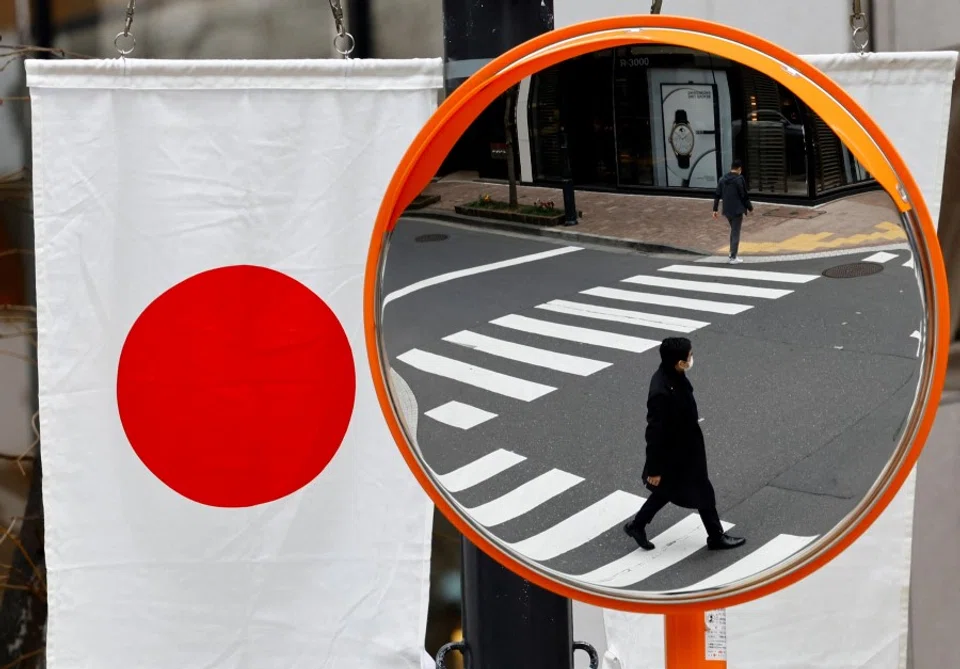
(917, 25)
(246, 28)
(812, 26)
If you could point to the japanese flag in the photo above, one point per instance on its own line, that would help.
(220, 487)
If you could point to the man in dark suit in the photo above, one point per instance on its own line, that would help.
(676, 465)
(732, 190)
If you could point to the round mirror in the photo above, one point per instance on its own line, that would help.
(655, 316)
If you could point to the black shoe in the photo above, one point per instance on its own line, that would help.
(724, 542)
(639, 535)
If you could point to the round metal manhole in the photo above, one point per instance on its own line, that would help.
(430, 238)
(853, 270)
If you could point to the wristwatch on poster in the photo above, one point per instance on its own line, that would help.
(681, 138)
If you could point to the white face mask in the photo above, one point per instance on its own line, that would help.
(690, 363)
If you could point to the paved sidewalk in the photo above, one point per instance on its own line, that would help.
(864, 220)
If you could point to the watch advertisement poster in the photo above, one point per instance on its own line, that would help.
(691, 126)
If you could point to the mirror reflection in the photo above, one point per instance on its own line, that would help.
(652, 325)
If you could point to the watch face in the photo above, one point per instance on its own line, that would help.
(681, 139)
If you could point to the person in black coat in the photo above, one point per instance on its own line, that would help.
(675, 470)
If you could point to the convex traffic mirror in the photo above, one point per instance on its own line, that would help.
(654, 311)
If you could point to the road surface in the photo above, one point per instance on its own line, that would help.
(529, 362)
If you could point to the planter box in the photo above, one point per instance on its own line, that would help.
(423, 201)
(512, 216)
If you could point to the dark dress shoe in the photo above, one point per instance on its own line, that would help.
(724, 542)
(639, 535)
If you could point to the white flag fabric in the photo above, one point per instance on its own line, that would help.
(851, 614)
(221, 489)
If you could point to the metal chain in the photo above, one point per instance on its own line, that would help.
(858, 22)
(343, 42)
(126, 37)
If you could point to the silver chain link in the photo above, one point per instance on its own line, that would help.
(343, 42)
(859, 25)
(126, 37)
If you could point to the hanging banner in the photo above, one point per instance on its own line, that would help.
(220, 488)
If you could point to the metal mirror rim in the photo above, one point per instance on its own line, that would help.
(458, 111)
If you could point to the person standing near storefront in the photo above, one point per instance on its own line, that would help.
(732, 190)
(676, 465)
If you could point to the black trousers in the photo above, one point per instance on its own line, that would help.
(735, 223)
(656, 502)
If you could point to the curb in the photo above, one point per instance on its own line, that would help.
(538, 231)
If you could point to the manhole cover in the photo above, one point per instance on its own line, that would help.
(853, 270)
(430, 238)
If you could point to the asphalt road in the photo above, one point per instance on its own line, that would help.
(803, 395)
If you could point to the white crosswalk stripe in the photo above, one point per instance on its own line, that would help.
(560, 362)
(670, 323)
(524, 498)
(458, 414)
(478, 471)
(711, 306)
(709, 287)
(909, 263)
(472, 375)
(581, 527)
(675, 544)
(880, 257)
(750, 274)
(575, 334)
(769, 555)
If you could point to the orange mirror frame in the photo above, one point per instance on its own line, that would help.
(847, 119)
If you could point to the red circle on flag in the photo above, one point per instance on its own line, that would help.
(236, 386)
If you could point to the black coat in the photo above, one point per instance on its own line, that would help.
(675, 448)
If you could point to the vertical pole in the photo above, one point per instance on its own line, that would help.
(360, 26)
(696, 640)
(510, 623)
(41, 18)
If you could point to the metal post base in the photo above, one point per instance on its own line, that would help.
(509, 623)
(569, 203)
(441, 659)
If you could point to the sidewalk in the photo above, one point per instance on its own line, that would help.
(686, 224)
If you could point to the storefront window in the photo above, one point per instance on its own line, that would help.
(588, 112)
(662, 118)
(544, 119)
(631, 104)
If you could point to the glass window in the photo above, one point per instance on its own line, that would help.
(631, 103)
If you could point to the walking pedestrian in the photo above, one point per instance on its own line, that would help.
(675, 470)
(732, 190)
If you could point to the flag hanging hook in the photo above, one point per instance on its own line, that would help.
(656, 6)
(125, 41)
(859, 23)
(343, 42)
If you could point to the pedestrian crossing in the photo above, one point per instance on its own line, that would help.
(673, 299)
(679, 542)
(662, 293)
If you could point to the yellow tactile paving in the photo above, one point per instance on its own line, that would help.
(805, 243)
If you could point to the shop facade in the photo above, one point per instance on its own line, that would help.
(662, 120)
